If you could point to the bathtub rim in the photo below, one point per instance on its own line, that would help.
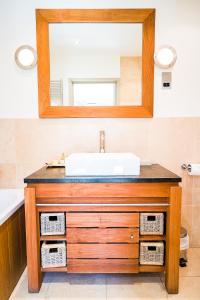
(12, 207)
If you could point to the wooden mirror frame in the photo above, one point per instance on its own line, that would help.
(46, 16)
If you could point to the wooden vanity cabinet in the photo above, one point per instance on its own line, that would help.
(109, 242)
(102, 227)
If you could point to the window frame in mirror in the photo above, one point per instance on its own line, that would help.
(73, 81)
(144, 16)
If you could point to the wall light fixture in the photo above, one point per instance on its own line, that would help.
(26, 57)
(165, 57)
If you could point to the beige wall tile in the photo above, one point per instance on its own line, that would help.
(196, 182)
(7, 176)
(187, 188)
(44, 140)
(194, 238)
(196, 196)
(195, 216)
(171, 141)
(130, 80)
(26, 144)
(186, 220)
(196, 142)
(7, 141)
(24, 170)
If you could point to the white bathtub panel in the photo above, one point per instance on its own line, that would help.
(10, 201)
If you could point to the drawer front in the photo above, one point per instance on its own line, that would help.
(102, 219)
(102, 266)
(102, 235)
(102, 251)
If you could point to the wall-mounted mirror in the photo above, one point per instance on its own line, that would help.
(95, 63)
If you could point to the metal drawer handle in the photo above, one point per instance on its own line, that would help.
(131, 236)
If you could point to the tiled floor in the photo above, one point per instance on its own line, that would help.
(114, 287)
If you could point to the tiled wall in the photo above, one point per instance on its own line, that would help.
(26, 144)
(130, 83)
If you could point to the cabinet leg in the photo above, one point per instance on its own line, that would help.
(173, 241)
(32, 241)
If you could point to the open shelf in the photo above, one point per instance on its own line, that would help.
(152, 238)
(142, 268)
(53, 238)
(56, 269)
(151, 268)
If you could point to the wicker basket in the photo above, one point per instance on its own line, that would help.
(152, 253)
(52, 223)
(53, 254)
(152, 223)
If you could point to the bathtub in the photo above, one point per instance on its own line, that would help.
(12, 240)
(10, 201)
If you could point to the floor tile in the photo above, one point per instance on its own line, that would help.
(21, 291)
(135, 287)
(189, 289)
(193, 265)
(77, 287)
(60, 286)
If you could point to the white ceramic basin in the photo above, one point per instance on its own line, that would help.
(102, 164)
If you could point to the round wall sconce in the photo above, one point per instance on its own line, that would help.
(26, 57)
(165, 57)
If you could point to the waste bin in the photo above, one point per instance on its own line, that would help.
(184, 246)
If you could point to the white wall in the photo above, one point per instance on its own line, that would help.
(177, 24)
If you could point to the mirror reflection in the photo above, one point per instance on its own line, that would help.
(95, 64)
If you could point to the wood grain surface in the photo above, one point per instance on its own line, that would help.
(102, 251)
(102, 235)
(103, 266)
(102, 219)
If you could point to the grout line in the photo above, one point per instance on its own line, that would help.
(195, 276)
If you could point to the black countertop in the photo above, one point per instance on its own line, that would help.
(151, 173)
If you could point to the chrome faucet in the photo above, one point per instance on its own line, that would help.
(102, 141)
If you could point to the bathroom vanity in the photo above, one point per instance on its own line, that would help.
(102, 221)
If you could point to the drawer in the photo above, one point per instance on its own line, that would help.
(102, 235)
(102, 266)
(102, 251)
(102, 219)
